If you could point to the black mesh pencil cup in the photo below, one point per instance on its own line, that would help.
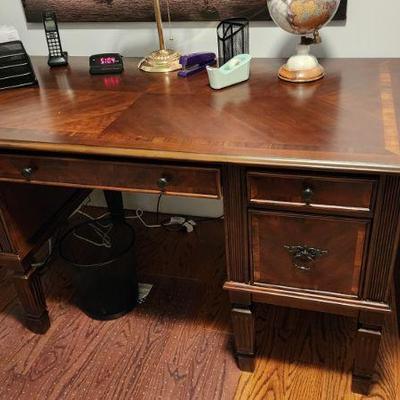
(233, 38)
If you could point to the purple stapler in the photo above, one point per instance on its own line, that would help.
(195, 62)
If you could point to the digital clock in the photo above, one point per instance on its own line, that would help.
(109, 63)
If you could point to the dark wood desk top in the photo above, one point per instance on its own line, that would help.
(349, 120)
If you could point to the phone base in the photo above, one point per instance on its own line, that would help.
(58, 61)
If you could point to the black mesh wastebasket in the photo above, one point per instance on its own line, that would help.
(104, 276)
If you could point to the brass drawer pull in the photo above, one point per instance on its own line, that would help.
(27, 172)
(304, 257)
(308, 194)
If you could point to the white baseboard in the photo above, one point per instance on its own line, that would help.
(168, 205)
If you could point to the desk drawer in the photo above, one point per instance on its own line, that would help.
(309, 252)
(325, 193)
(127, 176)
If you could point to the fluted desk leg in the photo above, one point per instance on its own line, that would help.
(31, 295)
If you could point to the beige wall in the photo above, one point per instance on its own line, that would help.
(372, 30)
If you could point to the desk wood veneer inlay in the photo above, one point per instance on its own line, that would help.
(310, 178)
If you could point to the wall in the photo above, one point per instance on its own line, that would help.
(372, 30)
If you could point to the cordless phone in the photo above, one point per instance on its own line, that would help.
(57, 57)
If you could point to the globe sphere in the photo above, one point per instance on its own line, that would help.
(302, 17)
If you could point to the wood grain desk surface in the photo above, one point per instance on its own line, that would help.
(349, 120)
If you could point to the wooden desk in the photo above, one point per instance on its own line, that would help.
(310, 178)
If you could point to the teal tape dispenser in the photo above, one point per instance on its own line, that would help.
(236, 70)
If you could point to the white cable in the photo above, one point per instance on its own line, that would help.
(83, 204)
(171, 37)
(139, 214)
(97, 244)
(92, 218)
(104, 235)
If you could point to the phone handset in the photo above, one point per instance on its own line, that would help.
(57, 57)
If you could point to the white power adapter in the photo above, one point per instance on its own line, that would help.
(177, 221)
(187, 224)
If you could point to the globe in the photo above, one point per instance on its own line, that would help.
(302, 17)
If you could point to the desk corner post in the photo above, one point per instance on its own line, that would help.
(237, 254)
(243, 322)
(235, 210)
(380, 270)
(30, 293)
(367, 343)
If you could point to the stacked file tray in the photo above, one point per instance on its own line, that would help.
(15, 66)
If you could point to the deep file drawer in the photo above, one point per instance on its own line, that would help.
(118, 175)
(310, 252)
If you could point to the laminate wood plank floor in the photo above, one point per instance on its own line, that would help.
(177, 345)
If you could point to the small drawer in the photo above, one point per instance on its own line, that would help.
(117, 175)
(318, 192)
(309, 252)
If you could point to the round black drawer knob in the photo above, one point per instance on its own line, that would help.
(162, 183)
(27, 172)
(307, 195)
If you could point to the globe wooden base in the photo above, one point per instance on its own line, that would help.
(301, 76)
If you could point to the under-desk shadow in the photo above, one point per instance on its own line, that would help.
(188, 272)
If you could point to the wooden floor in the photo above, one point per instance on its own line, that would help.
(178, 344)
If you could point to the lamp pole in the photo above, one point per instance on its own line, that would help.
(157, 11)
(163, 60)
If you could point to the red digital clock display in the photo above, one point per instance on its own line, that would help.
(107, 60)
(106, 63)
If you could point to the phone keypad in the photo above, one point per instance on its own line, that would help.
(54, 44)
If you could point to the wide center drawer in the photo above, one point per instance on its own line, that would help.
(126, 176)
(311, 192)
(311, 252)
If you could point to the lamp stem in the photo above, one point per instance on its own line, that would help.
(157, 11)
(163, 60)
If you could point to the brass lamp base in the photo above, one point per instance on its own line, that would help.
(304, 75)
(161, 61)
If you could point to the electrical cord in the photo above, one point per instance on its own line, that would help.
(171, 37)
(52, 247)
(41, 264)
(167, 225)
(158, 207)
(102, 231)
(105, 236)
